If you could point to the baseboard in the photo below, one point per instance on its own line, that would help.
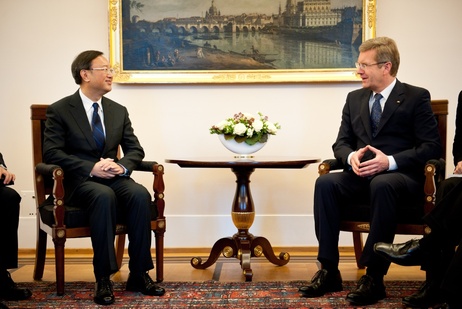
(88, 252)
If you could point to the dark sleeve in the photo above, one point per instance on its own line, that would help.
(457, 145)
(1, 160)
(131, 147)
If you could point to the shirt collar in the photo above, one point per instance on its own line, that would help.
(386, 92)
(87, 103)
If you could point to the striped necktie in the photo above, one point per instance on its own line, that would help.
(97, 127)
(376, 113)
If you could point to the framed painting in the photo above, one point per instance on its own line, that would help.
(239, 41)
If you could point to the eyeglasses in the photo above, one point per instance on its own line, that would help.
(105, 70)
(362, 66)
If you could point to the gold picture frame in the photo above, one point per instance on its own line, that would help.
(150, 71)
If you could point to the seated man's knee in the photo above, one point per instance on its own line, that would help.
(325, 180)
(141, 194)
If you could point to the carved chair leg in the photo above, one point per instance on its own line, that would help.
(159, 256)
(358, 247)
(59, 265)
(40, 254)
(120, 248)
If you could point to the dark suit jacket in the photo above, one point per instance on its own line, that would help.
(457, 145)
(407, 129)
(3, 163)
(69, 143)
(2, 178)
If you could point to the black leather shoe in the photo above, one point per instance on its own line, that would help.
(104, 294)
(322, 283)
(144, 284)
(10, 291)
(367, 292)
(407, 254)
(427, 296)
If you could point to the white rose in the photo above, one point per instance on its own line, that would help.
(222, 125)
(239, 129)
(257, 125)
(249, 132)
(271, 128)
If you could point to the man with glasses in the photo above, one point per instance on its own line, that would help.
(387, 134)
(9, 201)
(82, 135)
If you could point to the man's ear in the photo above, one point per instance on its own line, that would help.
(388, 66)
(84, 75)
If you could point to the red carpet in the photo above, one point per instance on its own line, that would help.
(210, 294)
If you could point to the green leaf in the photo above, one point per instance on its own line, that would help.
(264, 138)
(253, 140)
(240, 139)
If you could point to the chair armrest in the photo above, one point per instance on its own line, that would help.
(158, 185)
(146, 166)
(329, 165)
(434, 174)
(57, 174)
(440, 169)
(46, 169)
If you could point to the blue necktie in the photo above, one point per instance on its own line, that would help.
(97, 127)
(376, 113)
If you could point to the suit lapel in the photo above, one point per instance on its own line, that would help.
(365, 112)
(80, 116)
(395, 99)
(108, 118)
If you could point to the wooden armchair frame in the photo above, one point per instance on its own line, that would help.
(434, 173)
(48, 180)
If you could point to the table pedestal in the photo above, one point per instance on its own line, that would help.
(242, 245)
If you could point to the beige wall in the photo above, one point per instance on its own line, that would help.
(39, 39)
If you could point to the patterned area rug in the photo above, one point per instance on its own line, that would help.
(209, 294)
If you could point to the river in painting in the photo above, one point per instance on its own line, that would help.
(235, 51)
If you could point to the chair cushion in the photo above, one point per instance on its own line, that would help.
(76, 216)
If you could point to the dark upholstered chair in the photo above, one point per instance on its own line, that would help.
(61, 222)
(356, 220)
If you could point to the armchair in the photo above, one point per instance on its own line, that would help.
(409, 223)
(61, 221)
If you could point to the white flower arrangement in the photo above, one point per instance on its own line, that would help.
(245, 127)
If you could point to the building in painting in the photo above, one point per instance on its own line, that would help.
(213, 12)
(310, 13)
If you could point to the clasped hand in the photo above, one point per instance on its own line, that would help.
(106, 168)
(9, 177)
(370, 167)
(458, 168)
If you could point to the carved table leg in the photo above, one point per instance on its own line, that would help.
(243, 214)
(242, 245)
(225, 245)
(261, 245)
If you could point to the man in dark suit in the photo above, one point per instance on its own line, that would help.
(9, 207)
(435, 252)
(83, 133)
(384, 154)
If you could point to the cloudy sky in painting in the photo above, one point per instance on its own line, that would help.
(154, 10)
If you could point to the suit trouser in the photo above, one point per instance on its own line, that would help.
(445, 222)
(9, 221)
(106, 201)
(384, 193)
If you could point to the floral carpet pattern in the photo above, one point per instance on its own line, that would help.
(208, 294)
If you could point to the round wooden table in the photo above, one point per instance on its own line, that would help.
(243, 245)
